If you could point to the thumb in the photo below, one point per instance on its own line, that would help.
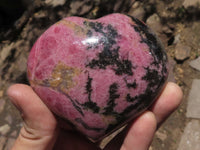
(39, 130)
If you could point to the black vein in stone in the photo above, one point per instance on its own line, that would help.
(79, 120)
(112, 97)
(110, 52)
(150, 39)
(131, 99)
(74, 103)
(131, 85)
(147, 98)
(90, 104)
(157, 52)
(89, 87)
(152, 77)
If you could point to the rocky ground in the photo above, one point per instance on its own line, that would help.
(176, 22)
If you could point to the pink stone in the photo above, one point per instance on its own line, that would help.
(98, 74)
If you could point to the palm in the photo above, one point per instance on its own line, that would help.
(42, 129)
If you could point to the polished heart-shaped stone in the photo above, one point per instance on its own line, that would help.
(98, 74)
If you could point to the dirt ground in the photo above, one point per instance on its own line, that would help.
(175, 23)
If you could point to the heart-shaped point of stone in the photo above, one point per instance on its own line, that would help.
(98, 74)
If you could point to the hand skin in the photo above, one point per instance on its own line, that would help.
(41, 130)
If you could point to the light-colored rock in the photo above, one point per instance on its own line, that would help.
(79, 7)
(161, 136)
(2, 105)
(190, 139)
(9, 119)
(188, 3)
(172, 63)
(55, 3)
(182, 52)
(135, 5)
(40, 14)
(5, 52)
(2, 142)
(22, 63)
(193, 107)
(14, 134)
(195, 64)
(177, 38)
(154, 23)
(1, 93)
(9, 143)
(137, 12)
(4, 129)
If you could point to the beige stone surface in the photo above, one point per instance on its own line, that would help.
(188, 3)
(193, 107)
(191, 136)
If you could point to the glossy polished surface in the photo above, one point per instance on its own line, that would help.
(98, 74)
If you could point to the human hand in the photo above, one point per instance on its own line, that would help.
(41, 130)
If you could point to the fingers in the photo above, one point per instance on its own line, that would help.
(140, 134)
(168, 101)
(39, 123)
(142, 130)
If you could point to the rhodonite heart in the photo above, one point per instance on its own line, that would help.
(98, 74)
